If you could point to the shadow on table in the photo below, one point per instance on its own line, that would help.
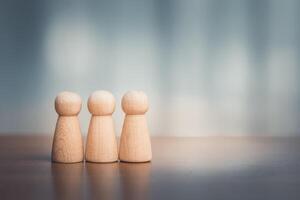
(67, 180)
(101, 181)
(135, 180)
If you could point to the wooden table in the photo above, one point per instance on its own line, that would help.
(182, 168)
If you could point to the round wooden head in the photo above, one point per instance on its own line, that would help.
(101, 103)
(68, 103)
(135, 103)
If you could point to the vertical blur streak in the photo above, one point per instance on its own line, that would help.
(209, 67)
(258, 47)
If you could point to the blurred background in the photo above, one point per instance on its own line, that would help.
(209, 67)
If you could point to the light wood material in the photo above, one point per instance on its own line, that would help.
(101, 143)
(67, 144)
(135, 145)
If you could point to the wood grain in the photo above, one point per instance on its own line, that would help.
(67, 141)
(101, 145)
(135, 145)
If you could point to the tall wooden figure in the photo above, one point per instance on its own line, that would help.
(135, 145)
(101, 143)
(67, 142)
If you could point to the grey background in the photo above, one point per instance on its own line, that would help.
(209, 67)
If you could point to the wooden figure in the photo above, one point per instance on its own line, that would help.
(135, 145)
(67, 142)
(101, 143)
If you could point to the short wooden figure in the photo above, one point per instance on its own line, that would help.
(135, 145)
(67, 144)
(101, 143)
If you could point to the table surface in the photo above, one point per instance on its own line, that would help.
(182, 168)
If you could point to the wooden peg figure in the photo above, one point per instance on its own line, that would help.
(135, 145)
(101, 143)
(67, 144)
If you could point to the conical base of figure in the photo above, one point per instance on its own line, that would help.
(67, 142)
(135, 144)
(101, 141)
